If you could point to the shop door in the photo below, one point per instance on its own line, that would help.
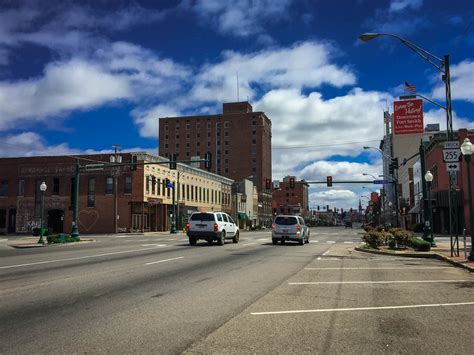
(12, 220)
(56, 221)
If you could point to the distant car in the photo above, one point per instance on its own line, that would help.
(211, 226)
(289, 228)
(348, 224)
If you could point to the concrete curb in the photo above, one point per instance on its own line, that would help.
(36, 245)
(431, 255)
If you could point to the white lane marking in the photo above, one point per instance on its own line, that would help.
(363, 308)
(263, 239)
(379, 268)
(244, 245)
(165, 260)
(331, 242)
(77, 258)
(319, 258)
(314, 241)
(348, 242)
(136, 240)
(374, 282)
(326, 252)
(154, 245)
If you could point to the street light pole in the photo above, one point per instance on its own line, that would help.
(43, 188)
(117, 159)
(466, 150)
(429, 179)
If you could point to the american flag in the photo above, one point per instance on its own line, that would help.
(410, 88)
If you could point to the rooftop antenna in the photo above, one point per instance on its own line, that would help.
(238, 96)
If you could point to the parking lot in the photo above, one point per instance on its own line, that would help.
(352, 302)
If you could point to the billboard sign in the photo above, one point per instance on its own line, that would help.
(408, 116)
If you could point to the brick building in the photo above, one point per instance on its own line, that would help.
(291, 201)
(144, 203)
(238, 139)
(440, 184)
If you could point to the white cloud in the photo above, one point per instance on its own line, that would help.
(345, 199)
(64, 87)
(462, 82)
(400, 5)
(147, 119)
(310, 120)
(304, 65)
(240, 18)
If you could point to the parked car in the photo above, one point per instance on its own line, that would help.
(348, 224)
(211, 226)
(289, 228)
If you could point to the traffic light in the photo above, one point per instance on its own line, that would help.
(393, 166)
(292, 182)
(133, 163)
(173, 164)
(318, 207)
(268, 184)
(208, 162)
(329, 181)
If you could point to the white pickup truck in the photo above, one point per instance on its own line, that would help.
(211, 226)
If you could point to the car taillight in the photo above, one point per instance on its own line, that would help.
(298, 228)
(273, 226)
(187, 226)
(215, 227)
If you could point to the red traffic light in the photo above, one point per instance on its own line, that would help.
(329, 181)
(292, 183)
(268, 184)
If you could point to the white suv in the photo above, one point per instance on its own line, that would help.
(211, 226)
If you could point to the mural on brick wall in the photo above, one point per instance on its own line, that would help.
(87, 219)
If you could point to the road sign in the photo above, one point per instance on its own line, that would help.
(380, 182)
(451, 155)
(452, 166)
(451, 144)
(276, 184)
(90, 167)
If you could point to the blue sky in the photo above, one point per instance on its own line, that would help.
(82, 76)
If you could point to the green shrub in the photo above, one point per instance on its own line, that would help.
(417, 227)
(60, 238)
(401, 238)
(376, 239)
(419, 244)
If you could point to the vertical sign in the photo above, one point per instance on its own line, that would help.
(408, 116)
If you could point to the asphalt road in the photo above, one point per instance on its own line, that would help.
(157, 294)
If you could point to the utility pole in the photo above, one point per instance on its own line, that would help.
(116, 159)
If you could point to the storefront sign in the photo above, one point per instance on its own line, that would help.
(408, 116)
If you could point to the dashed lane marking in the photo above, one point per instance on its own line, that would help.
(154, 245)
(78, 258)
(375, 282)
(379, 268)
(363, 308)
(165, 260)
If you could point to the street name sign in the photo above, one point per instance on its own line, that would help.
(452, 166)
(380, 182)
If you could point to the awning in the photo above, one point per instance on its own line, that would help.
(415, 210)
(243, 216)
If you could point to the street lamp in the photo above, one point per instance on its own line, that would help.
(116, 159)
(466, 150)
(429, 179)
(365, 174)
(43, 188)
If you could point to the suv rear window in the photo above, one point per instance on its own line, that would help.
(202, 217)
(286, 221)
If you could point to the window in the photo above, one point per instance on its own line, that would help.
(226, 134)
(254, 123)
(166, 127)
(226, 142)
(198, 135)
(209, 134)
(226, 124)
(224, 218)
(208, 144)
(226, 151)
(147, 184)
(21, 187)
(187, 192)
(55, 189)
(109, 185)
(127, 188)
(254, 132)
(177, 145)
(166, 145)
(177, 136)
(91, 192)
(198, 144)
(254, 141)
(4, 188)
(166, 136)
(219, 217)
(3, 218)
(158, 184)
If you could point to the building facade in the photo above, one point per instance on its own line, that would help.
(239, 140)
(143, 200)
(286, 200)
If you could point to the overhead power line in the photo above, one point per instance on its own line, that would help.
(321, 145)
